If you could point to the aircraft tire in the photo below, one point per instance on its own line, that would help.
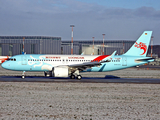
(72, 76)
(23, 76)
(79, 77)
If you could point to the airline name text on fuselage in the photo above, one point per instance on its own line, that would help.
(51, 57)
(75, 57)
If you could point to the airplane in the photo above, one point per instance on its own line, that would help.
(72, 65)
(4, 58)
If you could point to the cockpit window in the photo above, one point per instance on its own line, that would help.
(12, 59)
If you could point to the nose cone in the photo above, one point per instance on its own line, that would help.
(5, 65)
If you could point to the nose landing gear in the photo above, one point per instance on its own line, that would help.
(23, 74)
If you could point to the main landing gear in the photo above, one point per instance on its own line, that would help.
(77, 77)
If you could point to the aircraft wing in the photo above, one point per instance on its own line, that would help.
(83, 66)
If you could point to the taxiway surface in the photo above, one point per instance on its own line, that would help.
(107, 79)
(132, 93)
(148, 75)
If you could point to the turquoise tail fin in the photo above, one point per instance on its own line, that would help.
(140, 47)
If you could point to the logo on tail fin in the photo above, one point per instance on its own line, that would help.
(141, 46)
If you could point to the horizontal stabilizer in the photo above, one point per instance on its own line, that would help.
(144, 59)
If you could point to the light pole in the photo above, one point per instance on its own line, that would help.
(103, 43)
(72, 39)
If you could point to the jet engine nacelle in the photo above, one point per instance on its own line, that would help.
(61, 71)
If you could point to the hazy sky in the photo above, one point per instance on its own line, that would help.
(118, 19)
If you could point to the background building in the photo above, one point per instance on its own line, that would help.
(86, 47)
(13, 45)
(66, 49)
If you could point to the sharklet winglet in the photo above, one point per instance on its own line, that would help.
(113, 54)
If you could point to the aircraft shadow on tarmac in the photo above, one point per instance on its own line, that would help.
(106, 79)
(41, 77)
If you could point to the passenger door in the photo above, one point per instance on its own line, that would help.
(24, 60)
(124, 61)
